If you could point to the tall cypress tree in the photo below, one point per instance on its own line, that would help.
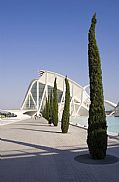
(66, 111)
(97, 128)
(47, 109)
(51, 108)
(55, 104)
(44, 111)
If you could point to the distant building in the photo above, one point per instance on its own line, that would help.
(40, 88)
(116, 114)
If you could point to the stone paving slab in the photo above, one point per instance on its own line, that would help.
(33, 151)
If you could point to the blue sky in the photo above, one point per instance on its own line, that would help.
(53, 35)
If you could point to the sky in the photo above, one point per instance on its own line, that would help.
(53, 35)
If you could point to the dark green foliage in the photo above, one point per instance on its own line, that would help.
(51, 109)
(46, 116)
(66, 111)
(97, 128)
(98, 144)
(46, 110)
(55, 105)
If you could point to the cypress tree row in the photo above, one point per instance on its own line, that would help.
(55, 105)
(97, 128)
(66, 111)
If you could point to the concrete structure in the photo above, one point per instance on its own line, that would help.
(116, 114)
(39, 89)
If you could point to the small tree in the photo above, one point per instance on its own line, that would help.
(97, 128)
(66, 111)
(46, 110)
(55, 104)
(51, 109)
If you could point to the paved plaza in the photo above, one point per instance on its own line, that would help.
(33, 151)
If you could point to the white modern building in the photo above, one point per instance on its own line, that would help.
(40, 88)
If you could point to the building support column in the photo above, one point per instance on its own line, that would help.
(37, 97)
